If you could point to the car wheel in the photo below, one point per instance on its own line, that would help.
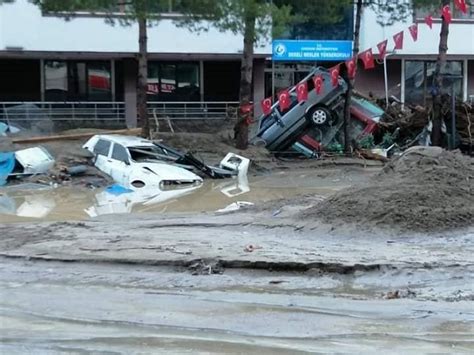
(319, 115)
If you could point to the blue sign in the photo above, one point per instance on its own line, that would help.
(291, 50)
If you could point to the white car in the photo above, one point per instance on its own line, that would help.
(128, 160)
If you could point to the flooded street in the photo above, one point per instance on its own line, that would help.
(176, 277)
(33, 202)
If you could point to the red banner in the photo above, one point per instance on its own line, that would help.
(368, 59)
(414, 31)
(334, 75)
(302, 91)
(398, 39)
(446, 13)
(318, 83)
(351, 66)
(382, 47)
(284, 100)
(429, 21)
(266, 105)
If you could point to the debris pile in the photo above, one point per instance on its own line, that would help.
(410, 122)
(426, 189)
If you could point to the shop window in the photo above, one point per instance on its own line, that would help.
(99, 81)
(168, 78)
(55, 80)
(173, 81)
(419, 80)
(77, 81)
(188, 82)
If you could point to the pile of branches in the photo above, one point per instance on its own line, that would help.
(408, 122)
(464, 121)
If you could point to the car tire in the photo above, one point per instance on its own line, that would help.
(319, 115)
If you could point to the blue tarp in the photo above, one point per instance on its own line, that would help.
(117, 190)
(7, 164)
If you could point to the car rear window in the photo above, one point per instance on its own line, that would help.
(102, 147)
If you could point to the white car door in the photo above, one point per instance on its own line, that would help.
(119, 162)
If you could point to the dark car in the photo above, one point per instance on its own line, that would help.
(279, 130)
(365, 116)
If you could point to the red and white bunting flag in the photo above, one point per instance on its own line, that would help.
(382, 47)
(334, 71)
(461, 5)
(302, 91)
(318, 83)
(398, 39)
(429, 21)
(414, 31)
(351, 66)
(284, 100)
(446, 13)
(368, 59)
(266, 105)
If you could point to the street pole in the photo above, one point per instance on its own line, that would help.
(386, 79)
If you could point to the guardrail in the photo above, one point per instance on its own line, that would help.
(62, 111)
(113, 111)
(193, 110)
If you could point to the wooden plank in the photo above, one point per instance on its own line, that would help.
(42, 139)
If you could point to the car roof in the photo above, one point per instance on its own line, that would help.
(127, 141)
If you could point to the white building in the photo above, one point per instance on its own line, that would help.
(410, 69)
(44, 58)
(87, 66)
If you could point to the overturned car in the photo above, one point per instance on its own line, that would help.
(309, 126)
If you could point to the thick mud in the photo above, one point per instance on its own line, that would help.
(89, 308)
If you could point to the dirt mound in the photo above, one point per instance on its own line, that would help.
(424, 190)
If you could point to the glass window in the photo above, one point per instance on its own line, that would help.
(419, 80)
(153, 88)
(55, 80)
(168, 78)
(188, 82)
(102, 147)
(120, 153)
(99, 81)
(77, 81)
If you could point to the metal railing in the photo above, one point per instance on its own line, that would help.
(114, 111)
(200, 110)
(62, 111)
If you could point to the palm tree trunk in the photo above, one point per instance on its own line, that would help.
(436, 137)
(142, 78)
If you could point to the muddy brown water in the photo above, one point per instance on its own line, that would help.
(25, 203)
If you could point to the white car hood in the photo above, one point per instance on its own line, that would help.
(166, 172)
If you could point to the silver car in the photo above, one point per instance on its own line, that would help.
(279, 130)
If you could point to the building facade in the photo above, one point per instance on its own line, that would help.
(48, 59)
(85, 63)
(410, 70)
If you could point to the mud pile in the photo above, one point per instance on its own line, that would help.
(424, 190)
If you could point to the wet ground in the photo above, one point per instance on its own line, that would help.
(36, 202)
(170, 278)
(50, 307)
